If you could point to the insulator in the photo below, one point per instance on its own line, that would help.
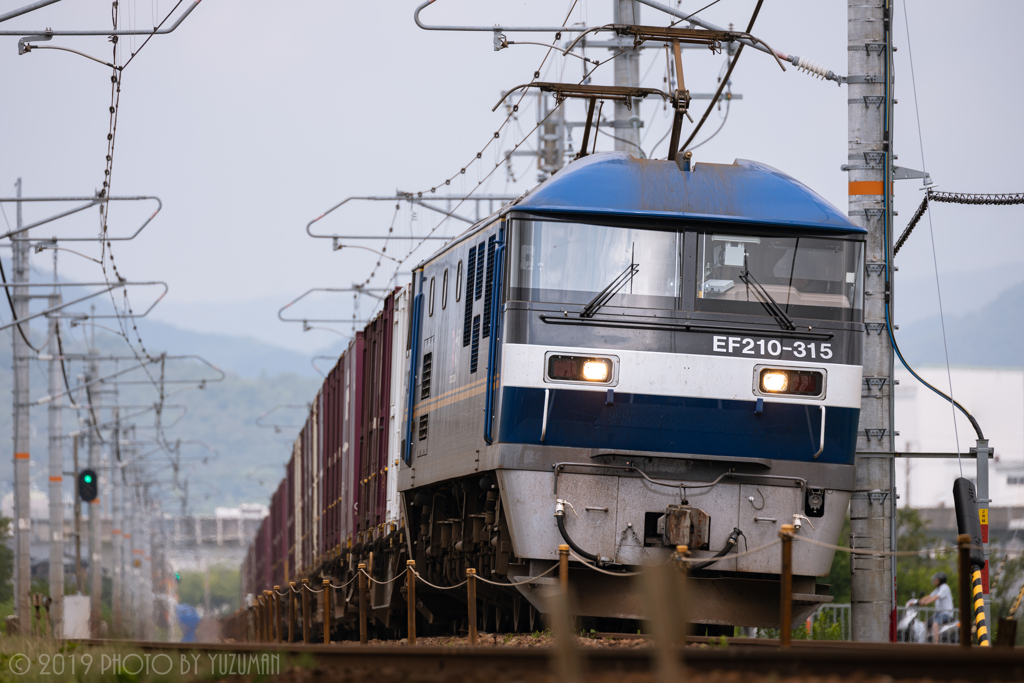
(812, 68)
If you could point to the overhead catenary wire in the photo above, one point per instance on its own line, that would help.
(10, 302)
(721, 86)
(954, 405)
(955, 198)
(931, 234)
(512, 111)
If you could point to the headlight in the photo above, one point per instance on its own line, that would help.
(774, 381)
(580, 369)
(596, 370)
(790, 382)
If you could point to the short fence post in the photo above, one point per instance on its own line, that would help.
(305, 611)
(964, 570)
(258, 619)
(471, 599)
(250, 632)
(277, 614)
(362, 604)
(327, 612)
(292, 626)
(786, 586)
(261, 608)
(563, 567)
(410, 595)
(268, 629)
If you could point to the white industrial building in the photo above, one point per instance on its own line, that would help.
(924, 423)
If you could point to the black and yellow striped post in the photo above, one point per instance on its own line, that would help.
(981, 628)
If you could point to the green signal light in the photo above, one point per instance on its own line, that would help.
(87, 479)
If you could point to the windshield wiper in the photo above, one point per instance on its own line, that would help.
(605, 295)
(766, 299)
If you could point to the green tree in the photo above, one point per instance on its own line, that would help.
(914, 572)
(225, 583)
(1006, 573)
(839, 574)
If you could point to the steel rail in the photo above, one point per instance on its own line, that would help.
(92, 201)
(756, 656)
(49, 33)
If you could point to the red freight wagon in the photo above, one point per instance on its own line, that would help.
(374, 422)
(339, 493)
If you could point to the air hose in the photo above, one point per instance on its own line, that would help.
(560, 520)
(729, 545)
(980, 626)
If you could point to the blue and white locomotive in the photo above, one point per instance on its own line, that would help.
(636, 355)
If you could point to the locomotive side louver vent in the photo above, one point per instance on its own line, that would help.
(470, 274)
(474, 350)
(488, 286)
(425, 378)
(479, 271)
(423, 427)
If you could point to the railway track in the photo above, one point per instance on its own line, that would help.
(494, 663)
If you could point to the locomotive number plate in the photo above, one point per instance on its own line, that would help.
(771, 348)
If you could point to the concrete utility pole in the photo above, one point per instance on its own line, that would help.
(56, 487)
(870, 154)
(627, 73)
(147, 566)
(551, 150)
(116, 504)
(95, 547)
(129, 535)
(22, 506)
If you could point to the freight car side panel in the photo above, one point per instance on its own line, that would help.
(355, 416)
(289, 571)
(396, 409)
(317, 488)
(346, 476)
(330, 416)
(373, 433)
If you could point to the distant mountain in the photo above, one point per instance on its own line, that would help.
(962, 291)
(989, 335)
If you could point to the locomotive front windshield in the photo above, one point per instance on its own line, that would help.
(574, 262)
(806, 277)
(578, 263)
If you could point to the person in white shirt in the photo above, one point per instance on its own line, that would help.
(942, 597)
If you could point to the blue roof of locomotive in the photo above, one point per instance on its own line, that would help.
(741, 193)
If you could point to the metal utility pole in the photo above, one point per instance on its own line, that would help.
(870, 187)
(627, 73)
(22, 507)
(56, 487)
(95, 547)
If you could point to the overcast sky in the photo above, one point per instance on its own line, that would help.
(255, 116)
